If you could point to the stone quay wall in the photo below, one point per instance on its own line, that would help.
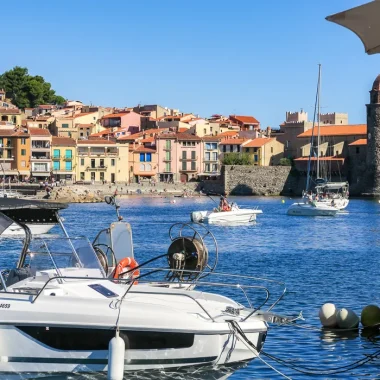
(261, 180)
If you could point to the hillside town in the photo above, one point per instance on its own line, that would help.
(79, 143)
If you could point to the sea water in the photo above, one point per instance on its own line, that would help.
(321, 259)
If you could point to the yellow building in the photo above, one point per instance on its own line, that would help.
(265, 151)
(10, 116)
(64, 158)
(102, 160)
(14, 153)
(68, 126)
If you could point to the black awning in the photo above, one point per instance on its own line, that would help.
(14, 203)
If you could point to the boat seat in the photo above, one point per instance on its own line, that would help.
(16, 275)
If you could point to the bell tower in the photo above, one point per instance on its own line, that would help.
(373, 140)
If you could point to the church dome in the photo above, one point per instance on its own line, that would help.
(376, 84)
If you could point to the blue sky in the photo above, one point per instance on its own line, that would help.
(252, 57)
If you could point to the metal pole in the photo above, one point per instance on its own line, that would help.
(319, 118)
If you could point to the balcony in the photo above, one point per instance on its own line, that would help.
(8, 146)
(56, 158)
(166, 159)
(210, 159)
(167, 148)
(67, 158)
(6, 159)
(96, 168)
(189, 158)
(188, 170)
(40, 158)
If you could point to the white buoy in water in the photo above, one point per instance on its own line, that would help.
(116, 355)
(327, 315)
(347, 319)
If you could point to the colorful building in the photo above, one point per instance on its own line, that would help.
(128, 121)
(69, 126)
(64, 158)
(264, 151)
(14, 153)
(40, 153)
(101, 160)
(211, 163)
(143, 164)
(246, 123)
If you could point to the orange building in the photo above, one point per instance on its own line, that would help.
(14, 153)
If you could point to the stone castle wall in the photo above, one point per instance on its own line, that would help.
(261, 180)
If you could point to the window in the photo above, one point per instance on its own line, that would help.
(168, 167)
(68, 165)
(56, 165)
(167, 156)
(92, 176)
(56, 153)
(193, 165)
(193, 143)
(224, 148)
(205, 131)
(207, 167)
(193, 154)
(246, 150)
(210, 146)
(102, 163)
(68, 153)
(184, 165)
(214, 167)
(271, 149)
(82, 176)
(184, 154)
(82, 161)
(207, 156)
(238, 148)
(214, 156)
(256, 158)
(357, 150)
(23, 141)
(93, 162)
(23, 152)
(65, 125)
(102, 176)
(148, 167)
(149, 157)
(142, 167)
(112, 162)
(168, 144)
(23, 164)
(142, 157)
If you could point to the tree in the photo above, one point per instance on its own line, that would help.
(285, 162)
(237, 159)
(25, 90)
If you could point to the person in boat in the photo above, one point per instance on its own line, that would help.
(223, 204)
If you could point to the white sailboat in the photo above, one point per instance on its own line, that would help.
(311, 205)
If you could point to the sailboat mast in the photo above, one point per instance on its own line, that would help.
(319, 117)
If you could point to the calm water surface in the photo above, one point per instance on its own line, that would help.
(320, 259)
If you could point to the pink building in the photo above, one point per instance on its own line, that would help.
(129, 121)
(179, 157)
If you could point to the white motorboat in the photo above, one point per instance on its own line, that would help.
(66, 298)
(39, 216)
(234, 215)
(312, 208)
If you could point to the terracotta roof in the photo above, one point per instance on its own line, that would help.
(112, 115)
(320, 159)
(143, 149)
(9, 110)
(337, 130)
(95, 142)
(46, 106)
(233, 142)
(102, 133)
(38, 131)
(181, 130)
(43, 118)
(359, 142)
(133, 137)
(62, 141)
(187, 136)
(148, 140)
(245, 119)
(228, 133)
(212, 138)
(11, 132)
(258, 142)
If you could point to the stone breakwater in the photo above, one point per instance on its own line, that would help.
(75, 194)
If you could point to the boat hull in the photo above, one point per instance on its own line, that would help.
(36, 229)
(307, 209)
(234, 216)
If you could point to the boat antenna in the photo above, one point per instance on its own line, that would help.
(312, 136)
(111, 200)
(213, 199)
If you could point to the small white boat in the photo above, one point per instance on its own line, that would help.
(312, 208)
(236, 214)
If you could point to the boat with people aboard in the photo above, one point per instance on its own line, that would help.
(75, 306)
(226, 213)
(335, 194)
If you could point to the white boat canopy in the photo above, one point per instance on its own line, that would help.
(364, 22)
(334, 185)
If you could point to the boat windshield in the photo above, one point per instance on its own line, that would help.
(63, 254)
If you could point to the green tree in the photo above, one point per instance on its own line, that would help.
(25, 90)
(237, 159)
(285, 162)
